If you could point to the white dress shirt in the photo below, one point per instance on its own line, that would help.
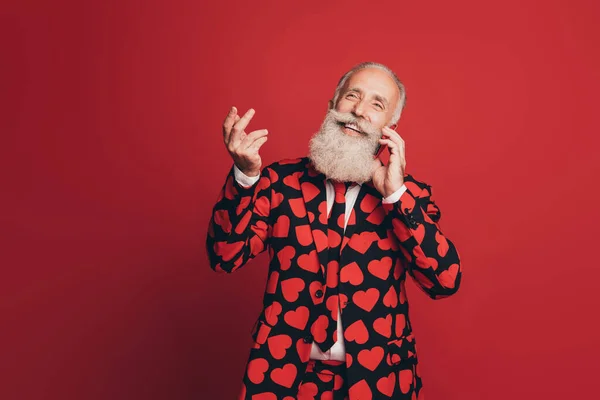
(338, 350)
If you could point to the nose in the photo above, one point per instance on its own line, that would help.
(359, 109)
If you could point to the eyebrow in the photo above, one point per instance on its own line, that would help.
(377, 97)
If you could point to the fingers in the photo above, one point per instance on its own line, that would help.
(392, 146)
(250, 156)
(252, 137)
(231, 119)
(256, 145)
(239, 126)
(389, 135)
(393, 135)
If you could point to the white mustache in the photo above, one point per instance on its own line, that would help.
(342, 157)
(363, 126)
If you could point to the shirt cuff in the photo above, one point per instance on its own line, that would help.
(394, 197)
(245, 180)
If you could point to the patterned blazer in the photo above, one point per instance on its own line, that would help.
(286, 213)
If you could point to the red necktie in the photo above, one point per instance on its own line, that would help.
(335, 235)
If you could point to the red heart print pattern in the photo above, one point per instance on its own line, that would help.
(366, 299)
(291, 288)
(285, 375)
(297, 318)
(371, 358)
(278, 345)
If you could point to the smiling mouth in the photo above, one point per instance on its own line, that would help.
(351, 129)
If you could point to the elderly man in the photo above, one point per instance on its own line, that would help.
(342, 230)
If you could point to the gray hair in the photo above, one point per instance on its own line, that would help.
(370, 64)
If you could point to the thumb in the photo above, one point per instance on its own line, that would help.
(376, 164)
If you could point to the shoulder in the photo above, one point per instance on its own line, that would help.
(288, 166)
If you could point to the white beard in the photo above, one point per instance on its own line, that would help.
(342, 157)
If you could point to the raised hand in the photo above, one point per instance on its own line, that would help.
(243, 147)
(389, 178)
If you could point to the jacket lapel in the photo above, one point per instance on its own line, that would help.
(356, 215)
(368, 208)
(314, 193)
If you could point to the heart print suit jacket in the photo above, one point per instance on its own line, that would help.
(286, 213)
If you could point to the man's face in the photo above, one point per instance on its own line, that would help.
(370, 94)
(345, 146)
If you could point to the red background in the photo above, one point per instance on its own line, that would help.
(112, 158)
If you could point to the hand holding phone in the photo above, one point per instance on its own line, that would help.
(379, 149)
(388, 176)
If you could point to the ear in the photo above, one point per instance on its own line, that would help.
(330, 105)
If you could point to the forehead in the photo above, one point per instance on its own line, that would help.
(373, 81)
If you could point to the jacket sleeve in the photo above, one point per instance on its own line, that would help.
(239, 227)
(433, 260)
